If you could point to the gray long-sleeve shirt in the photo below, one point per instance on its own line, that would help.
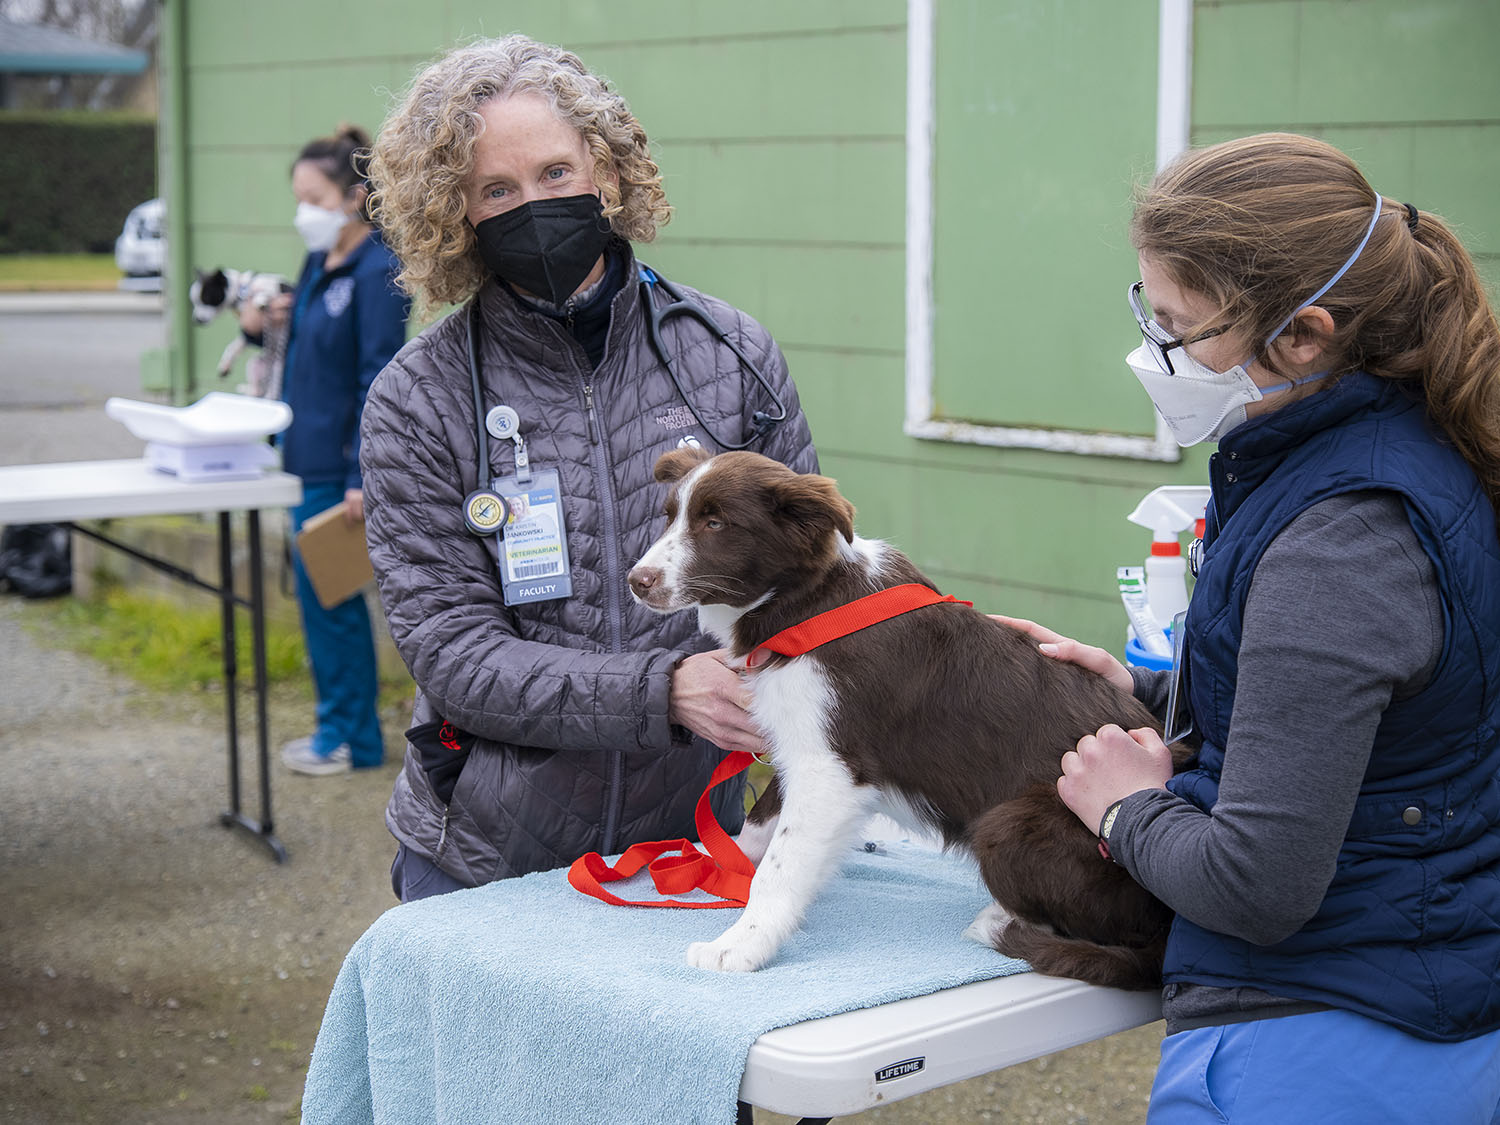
(1343, 616)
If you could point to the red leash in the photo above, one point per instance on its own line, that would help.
(725, 871)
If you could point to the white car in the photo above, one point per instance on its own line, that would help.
(141, 249)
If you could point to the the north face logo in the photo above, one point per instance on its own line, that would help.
(678, 418)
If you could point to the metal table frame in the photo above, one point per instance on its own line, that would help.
(71, 491)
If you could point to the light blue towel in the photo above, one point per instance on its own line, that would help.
(527, 1003)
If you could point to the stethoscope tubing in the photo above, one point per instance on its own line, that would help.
(682, 305)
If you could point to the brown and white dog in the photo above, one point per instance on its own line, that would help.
(942, 718)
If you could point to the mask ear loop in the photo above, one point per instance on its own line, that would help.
(1329, 284)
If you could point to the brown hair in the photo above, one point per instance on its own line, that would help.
(344, 158)
(1261, 223)
(425, 153)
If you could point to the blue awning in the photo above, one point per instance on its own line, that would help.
(27, 48)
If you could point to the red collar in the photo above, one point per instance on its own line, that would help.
(845, 619)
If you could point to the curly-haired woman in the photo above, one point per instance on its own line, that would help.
(554, 716)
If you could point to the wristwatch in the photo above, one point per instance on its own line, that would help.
(1106, 826)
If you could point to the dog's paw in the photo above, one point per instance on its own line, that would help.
(724, 957)
(987, 925)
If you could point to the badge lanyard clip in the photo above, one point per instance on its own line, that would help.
(523, 460)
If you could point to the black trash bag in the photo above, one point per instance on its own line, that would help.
(36, 559)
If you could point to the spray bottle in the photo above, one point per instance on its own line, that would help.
(1168, 511)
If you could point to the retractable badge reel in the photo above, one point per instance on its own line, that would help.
(528, 512)
(485, 510)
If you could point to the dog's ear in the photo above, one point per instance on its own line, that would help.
(812, 500)
(678, 463)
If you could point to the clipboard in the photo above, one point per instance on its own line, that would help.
(334, 555)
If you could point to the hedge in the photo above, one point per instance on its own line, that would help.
(69, 178)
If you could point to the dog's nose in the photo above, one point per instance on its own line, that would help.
(643, 578)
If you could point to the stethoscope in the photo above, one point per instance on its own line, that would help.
(682, 305)
(485, 511)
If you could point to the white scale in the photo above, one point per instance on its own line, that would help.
(220, 437)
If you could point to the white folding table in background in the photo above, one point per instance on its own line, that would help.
(90, 490)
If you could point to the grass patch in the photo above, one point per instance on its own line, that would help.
(166, 646)
(22, 272)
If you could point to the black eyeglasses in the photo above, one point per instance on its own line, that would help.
(1157, 340)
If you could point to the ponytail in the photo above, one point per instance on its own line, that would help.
(1455, 347)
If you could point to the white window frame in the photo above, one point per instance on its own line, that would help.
(1173, 88)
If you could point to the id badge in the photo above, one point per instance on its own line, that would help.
(1179, 720)
(534, 543)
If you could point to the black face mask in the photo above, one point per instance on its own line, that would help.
(546, 247)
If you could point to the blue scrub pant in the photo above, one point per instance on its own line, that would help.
(341, 649)
(1327, 1068)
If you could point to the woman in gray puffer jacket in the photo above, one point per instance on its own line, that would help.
(553, 717)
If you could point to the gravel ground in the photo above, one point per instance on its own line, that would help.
(155, 967)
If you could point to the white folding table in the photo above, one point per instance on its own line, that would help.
(88, 490)
(853, 1061)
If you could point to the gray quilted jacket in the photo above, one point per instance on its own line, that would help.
(568, 698)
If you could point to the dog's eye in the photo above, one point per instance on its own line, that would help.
(713, 524)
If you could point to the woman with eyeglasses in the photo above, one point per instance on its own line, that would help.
(1333, 854)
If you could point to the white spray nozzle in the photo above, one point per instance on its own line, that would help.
(1171, 509)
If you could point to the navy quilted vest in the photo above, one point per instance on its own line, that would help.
(1409, 932)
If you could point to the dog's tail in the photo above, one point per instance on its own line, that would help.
(1113, 966)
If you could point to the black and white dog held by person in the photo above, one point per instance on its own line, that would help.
(226, 289)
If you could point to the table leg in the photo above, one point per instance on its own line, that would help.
(235, 817)
(262, 683)
(745, 1115)
(230, 659)
(228, 601)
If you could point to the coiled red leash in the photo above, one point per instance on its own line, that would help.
(725, 871)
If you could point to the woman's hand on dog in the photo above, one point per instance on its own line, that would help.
(1109, 765)
(711, 700)
(1059, 647)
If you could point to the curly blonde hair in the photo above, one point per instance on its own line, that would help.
(425, 152)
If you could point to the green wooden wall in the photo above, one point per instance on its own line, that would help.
(781, 129)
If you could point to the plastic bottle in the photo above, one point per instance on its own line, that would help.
(1166, 577)
(1168, 511)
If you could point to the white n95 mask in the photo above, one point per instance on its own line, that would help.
(1197, 403)
(318, 226)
